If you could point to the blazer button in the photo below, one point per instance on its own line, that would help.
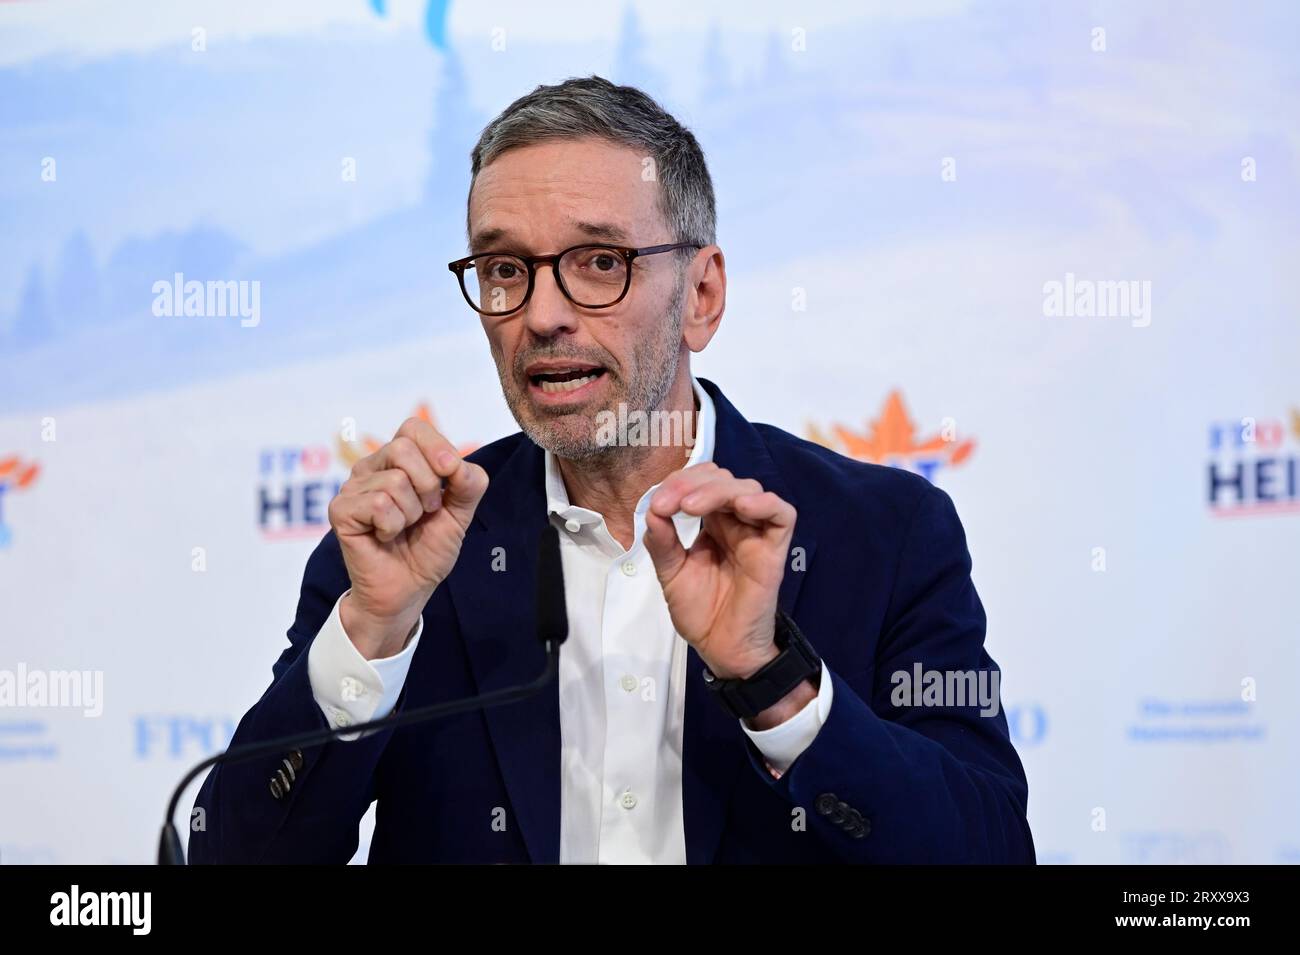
(826, 803)
(276, 789)
(859, 829)
(295, 759)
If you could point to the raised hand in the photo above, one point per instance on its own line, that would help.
(400, 519)
(722, 593)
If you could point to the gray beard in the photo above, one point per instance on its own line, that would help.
(655, 369)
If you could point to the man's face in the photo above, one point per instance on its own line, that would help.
(560, 364)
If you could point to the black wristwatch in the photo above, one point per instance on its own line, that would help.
(745, 699)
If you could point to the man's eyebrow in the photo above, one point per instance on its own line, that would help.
(496, 236)
(486, 238)
(601, 230)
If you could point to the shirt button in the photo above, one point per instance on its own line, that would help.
(572, 526)
(629, 568)
(628, 800)
(341, 718)
(628, 682)
(352, 688)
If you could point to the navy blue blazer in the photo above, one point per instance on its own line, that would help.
(883, 583)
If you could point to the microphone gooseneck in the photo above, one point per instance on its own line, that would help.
(552, 629)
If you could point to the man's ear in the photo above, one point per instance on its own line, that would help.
(706, 297)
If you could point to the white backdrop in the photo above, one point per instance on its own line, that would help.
(897, 190)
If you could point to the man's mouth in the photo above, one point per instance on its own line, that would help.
(558, 379)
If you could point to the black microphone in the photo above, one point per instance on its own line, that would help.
(552, 629)
(552, 613)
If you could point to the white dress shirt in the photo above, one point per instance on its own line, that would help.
(622, 685)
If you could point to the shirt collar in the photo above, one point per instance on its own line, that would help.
(557, 495)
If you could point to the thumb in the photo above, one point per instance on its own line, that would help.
(664, 546)
(462, 489)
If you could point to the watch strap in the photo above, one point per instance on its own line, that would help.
(797, 661)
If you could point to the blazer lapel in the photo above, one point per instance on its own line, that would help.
(494, 600)
(713, 744)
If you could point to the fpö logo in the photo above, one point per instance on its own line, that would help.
(1027, 723)
(294, 490)
(1175, 847)
(1254, 467)
(296, 483)
(159, 736)
(892, 439)
(15, 475)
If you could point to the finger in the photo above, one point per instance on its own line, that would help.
(667, 499)
(432, 445)
(382, 513)
(397, 485)
(664, 546)
(765, 508)
(422, 434)
(464, 488)
(718, 495)
(406, 456)
(351, 511)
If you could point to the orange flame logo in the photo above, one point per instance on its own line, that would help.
(892, 439)
(14, 474)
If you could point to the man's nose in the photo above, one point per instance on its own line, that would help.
(548, 312)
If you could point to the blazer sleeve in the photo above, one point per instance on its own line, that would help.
(238, 816)
(886, 780)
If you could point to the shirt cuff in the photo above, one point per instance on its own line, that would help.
(347, 687)
(782, 744)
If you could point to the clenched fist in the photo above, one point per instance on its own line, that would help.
(400, 519)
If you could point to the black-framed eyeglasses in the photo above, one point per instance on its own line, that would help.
(590, 276)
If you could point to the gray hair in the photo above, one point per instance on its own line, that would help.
(593, 106)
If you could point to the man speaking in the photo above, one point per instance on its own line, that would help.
(743, 605)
